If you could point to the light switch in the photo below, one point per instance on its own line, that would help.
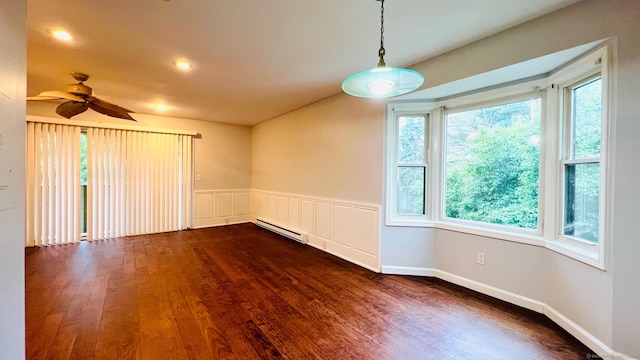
(199, 177)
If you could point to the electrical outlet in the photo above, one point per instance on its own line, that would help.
(480, 258)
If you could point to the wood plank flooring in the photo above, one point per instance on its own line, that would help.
(240, 292)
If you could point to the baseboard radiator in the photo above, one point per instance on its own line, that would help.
(291, 234)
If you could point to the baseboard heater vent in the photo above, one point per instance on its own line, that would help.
(291, 234)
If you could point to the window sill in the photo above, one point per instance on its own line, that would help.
(523, 238)
(588, 256)
(410, 222)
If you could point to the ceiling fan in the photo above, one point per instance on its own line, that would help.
(80, 99)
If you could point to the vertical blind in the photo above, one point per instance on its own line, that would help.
(137, 183)
(53, 184)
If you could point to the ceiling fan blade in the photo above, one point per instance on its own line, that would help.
(56, 95)
(42, 98)
(109, 109)
(71, 108)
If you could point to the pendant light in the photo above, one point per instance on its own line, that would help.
(382, 81)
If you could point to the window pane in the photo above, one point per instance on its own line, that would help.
(582, 201)
(411, 131)
(411, 190)
(492, 162)
(587, 119)
(83, 182)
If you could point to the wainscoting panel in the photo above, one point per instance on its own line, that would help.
(323, 220)
(283, 210)
(342, 225)
(294, 214)
(204, 206)
(308, 215)
(273, 207)
(363, 225)
(224, 207)
(242, 204)
(345, 229)
(221, 207)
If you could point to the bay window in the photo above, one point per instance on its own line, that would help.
(523, 162)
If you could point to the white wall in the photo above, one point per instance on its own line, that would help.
(330, 149)
(334, 148)
(395, 258)
(12, 177)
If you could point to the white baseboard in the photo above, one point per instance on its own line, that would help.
(583, 335)
(351, 260)
(405, 270)
(492, 291)
(220, 224)
(571, 327)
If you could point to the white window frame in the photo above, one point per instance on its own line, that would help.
(595, 63)
(394, 112)
(549, 233)
(525, 93)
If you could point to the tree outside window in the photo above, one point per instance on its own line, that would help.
(492, 164)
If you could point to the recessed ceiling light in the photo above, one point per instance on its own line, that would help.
(161, 107)
(183, 64)
(61, 35)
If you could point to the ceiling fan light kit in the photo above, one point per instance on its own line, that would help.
(62, 35)
(80, 98)
(382, 81)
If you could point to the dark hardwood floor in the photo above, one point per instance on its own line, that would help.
(240, 292)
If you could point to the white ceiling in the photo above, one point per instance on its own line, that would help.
(253, 60)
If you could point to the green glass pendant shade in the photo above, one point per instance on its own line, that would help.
(382, 82)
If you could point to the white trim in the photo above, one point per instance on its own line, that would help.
(356, 262)
(571, 327)
(407, 270)
(578, 253)
(583, 335)
(520, 237)
(221, 224)
(394, 111)
(101, 125)
(591, 64)
(517, 93)
(411, 223)
(318, 198)
(492, 291)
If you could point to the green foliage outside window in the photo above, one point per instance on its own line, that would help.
(492, 164)
(83, 159)
(411, 151)
(582, 180)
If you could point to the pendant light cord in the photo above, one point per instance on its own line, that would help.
(381, 52)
